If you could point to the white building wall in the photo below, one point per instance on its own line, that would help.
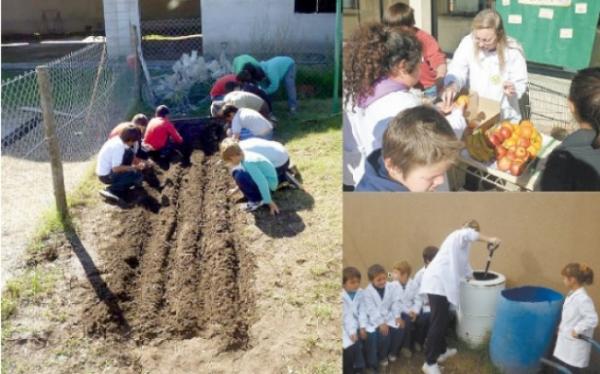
(264, 27)
(119, 15)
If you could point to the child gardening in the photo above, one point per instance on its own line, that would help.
(254, 175)
(353, 318)
(419, 146)
(578, 318)
(441, 283)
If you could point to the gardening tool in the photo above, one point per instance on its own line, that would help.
(491, 247)
(553, 364)
(594, 343)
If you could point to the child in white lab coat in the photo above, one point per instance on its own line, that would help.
(578, 318)
(492, 63)
(381, 314)
(353, 319)
(422, 321)
(409, 304)
(441, 283)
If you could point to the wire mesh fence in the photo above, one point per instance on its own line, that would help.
(180, 76)
(90, 94)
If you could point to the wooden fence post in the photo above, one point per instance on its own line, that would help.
(58, 182)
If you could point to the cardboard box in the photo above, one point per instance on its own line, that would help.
(484, 111)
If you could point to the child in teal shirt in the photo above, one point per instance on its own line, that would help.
(254, 175)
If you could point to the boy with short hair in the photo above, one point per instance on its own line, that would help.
(114, 166)
(253, 173)
(246, 123)
(408, 306)
(419, 146)
(381, 316)
(161, 138)
(352, 319)
(422, 322)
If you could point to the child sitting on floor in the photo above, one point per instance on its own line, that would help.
(578, 318)
(353, 318)
(419, 146)
(408, 306)
(254, 175)
(381, 325)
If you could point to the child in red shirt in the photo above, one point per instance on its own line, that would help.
(433, 67)
(162, 139)
(218, 89)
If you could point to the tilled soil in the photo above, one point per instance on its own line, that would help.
(181, 272)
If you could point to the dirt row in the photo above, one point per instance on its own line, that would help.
(180, 272)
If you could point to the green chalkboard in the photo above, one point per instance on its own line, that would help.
(539, 24)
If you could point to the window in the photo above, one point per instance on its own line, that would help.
(314, 6)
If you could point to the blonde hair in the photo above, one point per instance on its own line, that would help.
(403, 267)
(583, 274)
(472, 224)
(490, 19)
(229, 148)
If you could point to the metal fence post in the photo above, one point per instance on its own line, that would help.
(337, 56)
(136, 68)
(58, 182)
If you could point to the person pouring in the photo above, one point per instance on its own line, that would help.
(491, 64)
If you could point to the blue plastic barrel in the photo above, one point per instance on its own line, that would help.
(526, 320)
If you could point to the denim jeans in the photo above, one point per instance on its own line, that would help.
(353, 359)
(121, 182)
(247, 185)
(401, 337)
(290, 87)
(281, 177)
(378, 347)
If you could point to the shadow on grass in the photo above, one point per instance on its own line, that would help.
(100, 287)
(288, 222)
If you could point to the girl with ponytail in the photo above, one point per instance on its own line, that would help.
(579, 318)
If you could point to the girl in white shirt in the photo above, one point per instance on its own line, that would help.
(441, 283)
(578, 318)
(489, 63)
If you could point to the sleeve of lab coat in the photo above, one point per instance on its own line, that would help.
(457, 121)
(398, 304)
(362, 312)
(417, 300)
(372, 310)
(458, 70)
(589, 317)
(518, 72)
(350, 321)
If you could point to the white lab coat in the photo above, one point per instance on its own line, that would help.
(423, 299)
(352, 315)
(482, 74)
(578, 314)
(407, 298)
(450, 266)
(380, 311)
(367, 126)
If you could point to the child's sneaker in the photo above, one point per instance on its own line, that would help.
(251, 206)
(392, 358)
(431, 369)
(384, 362)
(406, 353)
(446, 355)
(107, 194)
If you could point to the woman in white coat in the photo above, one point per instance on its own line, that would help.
(489, 63)
(578, 318)
(381, 65)
(441, 283)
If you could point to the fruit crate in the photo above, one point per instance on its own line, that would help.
(488, 172)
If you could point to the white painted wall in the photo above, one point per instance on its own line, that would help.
(119, 15)
(264, 27)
